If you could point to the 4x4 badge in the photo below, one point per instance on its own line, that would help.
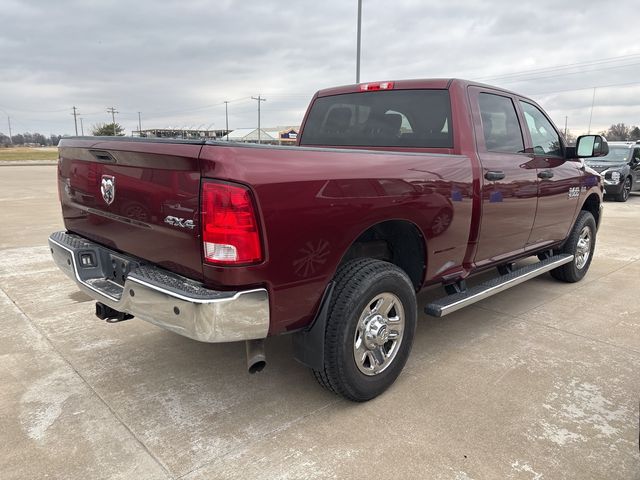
(108, 188)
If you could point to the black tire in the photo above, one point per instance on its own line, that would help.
(623, 196)
(573, 271)
(357, 284)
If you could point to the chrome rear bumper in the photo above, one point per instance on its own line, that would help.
(163, 298)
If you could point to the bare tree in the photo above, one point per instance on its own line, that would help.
(618, 132)
(569, 138)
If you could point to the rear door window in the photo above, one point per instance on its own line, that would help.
(500, 124)
(394, 118)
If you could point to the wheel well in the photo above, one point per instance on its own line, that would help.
(396, 241)
(592, 205)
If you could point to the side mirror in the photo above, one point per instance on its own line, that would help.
(592, 146)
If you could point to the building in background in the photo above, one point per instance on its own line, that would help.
(185, 133)
(271, 136)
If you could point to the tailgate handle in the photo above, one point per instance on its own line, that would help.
(103, 156)
(493, 175)
(545, 174)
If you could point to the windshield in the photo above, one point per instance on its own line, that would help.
(394, 118)
(615, 155)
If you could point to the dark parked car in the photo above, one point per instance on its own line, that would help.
(620, 169)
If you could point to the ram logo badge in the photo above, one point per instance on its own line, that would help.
(179, 222)
(574, 192)
(108, 188)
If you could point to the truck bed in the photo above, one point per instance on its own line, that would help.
(298, 192)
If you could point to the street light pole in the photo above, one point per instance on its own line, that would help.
(358, 41)
(260, 100)
(226, 117)
(10, 134)
(593, 101)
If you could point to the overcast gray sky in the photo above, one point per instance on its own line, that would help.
(177, 61)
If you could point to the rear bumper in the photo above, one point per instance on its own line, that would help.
(161, 297)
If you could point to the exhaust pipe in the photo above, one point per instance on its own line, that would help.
(256, 358)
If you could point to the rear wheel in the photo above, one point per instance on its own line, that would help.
(581, 244)
(623, 196)
(370, 329)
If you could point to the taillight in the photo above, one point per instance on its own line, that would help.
(230, 232)
(369, 87)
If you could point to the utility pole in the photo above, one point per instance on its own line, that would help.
(81, 127)
(259, 99)
(113, 111)
(139, 125)
(593, 101)
(75, 118)
(566, 118)
(359, 36)
(10, 134)
(226, 116)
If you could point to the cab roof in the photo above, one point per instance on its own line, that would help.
(424, 83)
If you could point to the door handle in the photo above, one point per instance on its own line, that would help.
(494, 175)
(545, 174)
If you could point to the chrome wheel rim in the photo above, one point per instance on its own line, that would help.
(626, 188)
(379, 334)
(583, 249)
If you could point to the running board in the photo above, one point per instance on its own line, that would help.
(451, 303)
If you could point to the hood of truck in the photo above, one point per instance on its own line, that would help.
(602, 166)
(137, 197)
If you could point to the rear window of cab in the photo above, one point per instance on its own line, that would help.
(390, 118)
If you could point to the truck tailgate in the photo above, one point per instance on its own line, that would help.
(138, 197)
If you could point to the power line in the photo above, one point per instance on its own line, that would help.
(626, 84)
(37, 111)
(204, 107)
(564, 74)
(561, 67)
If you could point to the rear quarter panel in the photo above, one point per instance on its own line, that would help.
(313, 204)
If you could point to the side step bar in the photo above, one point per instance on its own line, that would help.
(451, 303)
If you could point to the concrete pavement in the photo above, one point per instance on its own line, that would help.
(539, 382)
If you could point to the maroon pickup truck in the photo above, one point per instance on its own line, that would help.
(393, 186)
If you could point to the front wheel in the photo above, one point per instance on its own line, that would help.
(581, 244)
(623, 196)
(370, 329)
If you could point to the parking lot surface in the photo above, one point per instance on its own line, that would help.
(539, 382)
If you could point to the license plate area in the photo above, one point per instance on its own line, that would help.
(116, 268)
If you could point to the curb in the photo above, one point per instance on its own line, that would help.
(21, 163)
